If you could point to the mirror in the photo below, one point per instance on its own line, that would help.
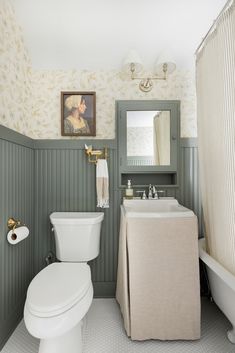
(148, 138)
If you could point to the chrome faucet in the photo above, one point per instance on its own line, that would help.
(150, 194)
(155, 194)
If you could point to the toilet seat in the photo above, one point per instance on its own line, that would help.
(57, 288)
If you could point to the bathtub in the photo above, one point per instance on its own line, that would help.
(222, 285)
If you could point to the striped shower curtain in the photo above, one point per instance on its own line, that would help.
(215, 77)
(161, 138)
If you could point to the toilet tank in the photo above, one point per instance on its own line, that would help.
(77, 235)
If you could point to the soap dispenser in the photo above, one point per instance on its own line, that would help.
(129, 192)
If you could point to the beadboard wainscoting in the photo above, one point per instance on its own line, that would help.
(65, 181)
(16, 200)
(38, 177)
(189, 192)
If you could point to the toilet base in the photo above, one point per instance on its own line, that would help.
(70, 342)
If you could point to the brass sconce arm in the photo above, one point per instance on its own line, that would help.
(163, 67)
(164, 77)
(146, 84)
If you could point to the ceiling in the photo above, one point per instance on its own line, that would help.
(97, 34)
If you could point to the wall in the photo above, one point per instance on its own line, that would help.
(17, 200)
(65, 181)
(109, 86)
(16, 172)
(42, 176)
(39, 177)
(30, 99)
(15, 72)
(189, 189)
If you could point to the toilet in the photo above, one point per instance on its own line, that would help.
(59, 296)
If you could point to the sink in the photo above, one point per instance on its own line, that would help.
(155, 208)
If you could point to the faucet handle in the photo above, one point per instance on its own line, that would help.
(161, 193)
(143, 196)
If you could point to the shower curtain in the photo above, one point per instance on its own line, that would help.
(161, 138)
(215, 78)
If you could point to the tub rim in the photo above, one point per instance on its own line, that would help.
(215, 266)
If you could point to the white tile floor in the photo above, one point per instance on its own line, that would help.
(104, 333)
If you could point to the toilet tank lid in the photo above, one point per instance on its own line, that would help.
(76, 217)
(57, 288)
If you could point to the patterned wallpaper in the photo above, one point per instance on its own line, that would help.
(30, 99)
(109, 86)
(15, 67)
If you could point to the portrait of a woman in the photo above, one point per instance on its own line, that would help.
(75, 121)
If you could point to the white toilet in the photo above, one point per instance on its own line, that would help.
(60, 295)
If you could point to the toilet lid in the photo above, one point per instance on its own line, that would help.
(57, 288)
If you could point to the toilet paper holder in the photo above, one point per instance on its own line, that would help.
(18, 231)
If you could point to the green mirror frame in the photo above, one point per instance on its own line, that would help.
(166, 175)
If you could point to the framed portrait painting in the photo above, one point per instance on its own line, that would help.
(78, 114)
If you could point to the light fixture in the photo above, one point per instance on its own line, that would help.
(133, 65)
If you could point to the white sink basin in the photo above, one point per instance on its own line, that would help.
(160, 208)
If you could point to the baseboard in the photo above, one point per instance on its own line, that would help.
(8, 326)
(104, 289)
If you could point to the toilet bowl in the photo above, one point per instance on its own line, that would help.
(60, 295)
(57, 300)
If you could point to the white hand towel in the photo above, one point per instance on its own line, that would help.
(102, 183)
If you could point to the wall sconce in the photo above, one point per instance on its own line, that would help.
(133, 65)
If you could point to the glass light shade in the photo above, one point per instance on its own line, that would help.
(170, 67)
(165, 58)
(132, 58)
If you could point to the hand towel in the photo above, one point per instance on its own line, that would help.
(102, 183)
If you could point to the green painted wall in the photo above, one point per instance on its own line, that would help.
(65, 181)
(17, 200)
(42, 176)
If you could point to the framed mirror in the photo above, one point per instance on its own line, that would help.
(148, 136)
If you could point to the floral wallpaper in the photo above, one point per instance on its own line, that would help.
(30, 99)
(15, 68)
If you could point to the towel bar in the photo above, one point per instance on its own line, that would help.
(94, 155)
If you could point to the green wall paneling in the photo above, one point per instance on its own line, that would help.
(38, 177)
(65, 181)
(189, 193)
(17, 200)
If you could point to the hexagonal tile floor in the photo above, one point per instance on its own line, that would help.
(104, 333)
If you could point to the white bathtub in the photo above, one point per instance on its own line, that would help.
(222, 285)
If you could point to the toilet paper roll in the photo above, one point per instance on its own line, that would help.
(17, 235)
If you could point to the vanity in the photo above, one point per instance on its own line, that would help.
(158, 273)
